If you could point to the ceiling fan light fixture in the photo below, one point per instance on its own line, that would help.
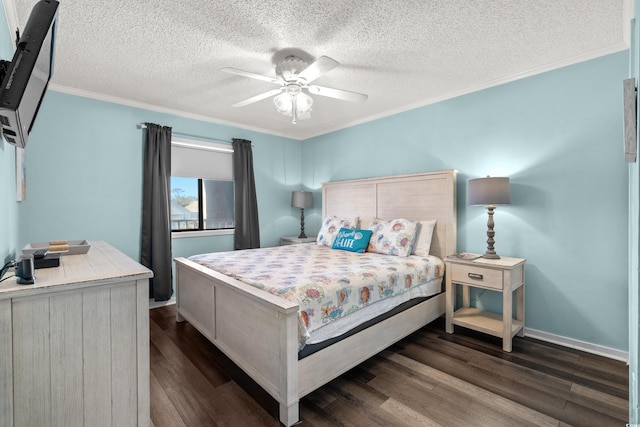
(303, 104)
(283, 103)
(294, 102)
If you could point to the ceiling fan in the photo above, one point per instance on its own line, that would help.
(294, 76)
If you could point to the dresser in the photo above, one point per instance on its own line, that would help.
(74, 347)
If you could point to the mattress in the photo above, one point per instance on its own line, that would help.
(336, 290)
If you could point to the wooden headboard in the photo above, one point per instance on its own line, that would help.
(420, 196)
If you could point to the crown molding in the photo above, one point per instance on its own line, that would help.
(482, 86)
(158, 109)
(429, 101)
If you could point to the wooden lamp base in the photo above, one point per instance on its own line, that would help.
(490, 253)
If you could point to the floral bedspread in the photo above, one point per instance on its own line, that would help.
(327, 284)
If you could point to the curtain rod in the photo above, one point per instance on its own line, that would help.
(144, 126)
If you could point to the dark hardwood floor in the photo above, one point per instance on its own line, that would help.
(430, 378)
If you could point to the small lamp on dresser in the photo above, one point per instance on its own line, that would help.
(302, 200)
(489, 192)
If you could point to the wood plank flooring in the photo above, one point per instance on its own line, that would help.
(430, 378)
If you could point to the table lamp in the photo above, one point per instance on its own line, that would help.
(489, 192)
(302, 199)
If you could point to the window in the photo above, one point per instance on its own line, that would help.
(202, 190)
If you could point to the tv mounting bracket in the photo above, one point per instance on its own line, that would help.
(4, 65)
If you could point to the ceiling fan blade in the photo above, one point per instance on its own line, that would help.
(345, 95)
(257, 98)
(251, 75)
(322, 65)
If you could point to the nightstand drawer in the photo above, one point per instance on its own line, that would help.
(296, 240)
(477, 276)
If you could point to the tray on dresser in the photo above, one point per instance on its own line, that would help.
(64, 247)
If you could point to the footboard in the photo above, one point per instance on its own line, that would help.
(255, 329)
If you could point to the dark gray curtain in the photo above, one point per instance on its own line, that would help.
(247, 234)
(155, 251)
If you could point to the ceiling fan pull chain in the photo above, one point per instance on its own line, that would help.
(294, 107)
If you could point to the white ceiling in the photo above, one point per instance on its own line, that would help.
(166, 55)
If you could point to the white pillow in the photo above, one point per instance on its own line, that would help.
(422, 243)
(330, 228)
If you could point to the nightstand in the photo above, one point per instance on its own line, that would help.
(504, 275)
(296, 240)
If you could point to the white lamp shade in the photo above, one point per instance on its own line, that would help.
(302, 199)
(283, 103)
(303, 103)
(489, 191)
(294, 98)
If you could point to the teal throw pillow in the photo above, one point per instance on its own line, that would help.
(352, 240)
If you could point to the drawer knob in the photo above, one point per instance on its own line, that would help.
(475, 276)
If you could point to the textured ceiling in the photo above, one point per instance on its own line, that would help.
(166, 55)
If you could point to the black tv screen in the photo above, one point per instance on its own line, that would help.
(26, 77)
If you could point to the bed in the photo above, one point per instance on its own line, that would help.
(259, 331)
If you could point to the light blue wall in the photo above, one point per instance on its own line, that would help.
(8, 204)
(558, 136)
(84, 175)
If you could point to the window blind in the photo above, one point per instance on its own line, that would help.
(205, 160)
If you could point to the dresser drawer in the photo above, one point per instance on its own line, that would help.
(477, 276)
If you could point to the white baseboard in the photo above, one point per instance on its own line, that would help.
(587, 347)
(155, 304)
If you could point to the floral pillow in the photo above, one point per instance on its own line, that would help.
(394, 237)
(330, 228)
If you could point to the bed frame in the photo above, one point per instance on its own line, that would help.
(259, 331)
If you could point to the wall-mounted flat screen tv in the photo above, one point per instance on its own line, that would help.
(26, 77)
